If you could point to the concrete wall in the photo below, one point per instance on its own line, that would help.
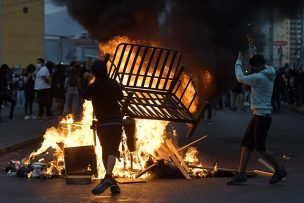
(22, 31)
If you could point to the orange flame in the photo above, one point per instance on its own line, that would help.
(150, 134)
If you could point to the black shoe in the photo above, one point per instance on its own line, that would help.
(237, 179)
(278, 175)
(103, 185)
(114, 188)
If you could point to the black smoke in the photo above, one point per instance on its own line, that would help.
(209, 32)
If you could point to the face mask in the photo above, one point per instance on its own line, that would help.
(38, 65)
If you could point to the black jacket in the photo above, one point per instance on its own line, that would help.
(3, 83)
(105, 94)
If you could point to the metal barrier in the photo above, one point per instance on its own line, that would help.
(155, 86)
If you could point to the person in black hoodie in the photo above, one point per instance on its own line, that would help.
(5, 90)
(105, 94)
(58, 79)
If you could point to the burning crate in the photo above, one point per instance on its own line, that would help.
(80, 164)
(156, 87)
(80, 161)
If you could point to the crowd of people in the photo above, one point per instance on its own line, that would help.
(288, 89)
(53, 86)
(58, 86)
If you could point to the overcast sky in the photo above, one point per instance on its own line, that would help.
(50, 7)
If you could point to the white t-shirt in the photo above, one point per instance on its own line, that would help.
(40, 84)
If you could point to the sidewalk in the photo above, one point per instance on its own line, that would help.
(299, 109)
(17, 134)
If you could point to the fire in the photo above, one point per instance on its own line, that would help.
(191, 157)
(189, 94)
(150, 134)
(207, 79)
(69, 134)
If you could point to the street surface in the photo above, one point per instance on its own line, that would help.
(286, 139)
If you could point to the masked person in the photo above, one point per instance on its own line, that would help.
(105, 94)
(43, 88)
(261, 83)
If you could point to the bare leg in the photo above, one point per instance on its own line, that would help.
(108, 181)
(240, 177)
(271, 158)
(245, 154)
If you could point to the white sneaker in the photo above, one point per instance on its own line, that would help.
(34, 117)
(27, 117)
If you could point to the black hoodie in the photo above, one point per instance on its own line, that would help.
(105, 94)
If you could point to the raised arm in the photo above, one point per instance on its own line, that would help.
(240, 76)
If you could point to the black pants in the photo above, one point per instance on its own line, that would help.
(10, 99)
(208, 107)
(275, 101)
(44, 100)
(29, 99)
(256, 133)
(109, 137)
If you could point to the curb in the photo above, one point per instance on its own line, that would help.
(21, 144)
(298, 109)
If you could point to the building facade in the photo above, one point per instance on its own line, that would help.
(21, 32)
(281, 40)
(288, 37)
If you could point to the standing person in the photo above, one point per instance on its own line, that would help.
(261, 83)
(72, 98)
(20, 91)
(50, 66)
(29, 92)
(278, 86)
(43, 88)
(58, 87)
(5, 94)
(237, 97)
(208, 107)
(105, 94)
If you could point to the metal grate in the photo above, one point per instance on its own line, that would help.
(155, 86)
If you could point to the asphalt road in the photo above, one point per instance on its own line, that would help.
(286, 138)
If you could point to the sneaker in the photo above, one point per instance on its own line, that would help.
(278, 175)
(27, 117)
(104, 184)
(34, 117)
(237, 179)
(114, 188)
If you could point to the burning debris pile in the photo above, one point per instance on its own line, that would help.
(156, 90)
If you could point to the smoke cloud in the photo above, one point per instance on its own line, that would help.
(209, 32)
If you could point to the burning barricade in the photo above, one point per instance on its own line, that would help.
(157, 91)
